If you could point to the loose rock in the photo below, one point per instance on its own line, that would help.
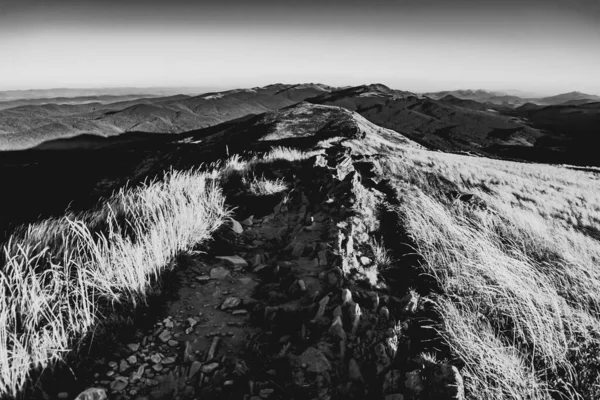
(235, 261)
(210, 368)
(315, 360)
(92, 394)
(219, 273)
(231, 302)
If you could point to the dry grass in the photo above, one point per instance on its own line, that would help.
(265, 187)
(56, 271)
(520, 280)
(237, 168)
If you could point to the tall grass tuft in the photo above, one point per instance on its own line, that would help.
(58, 270)
(519, 278)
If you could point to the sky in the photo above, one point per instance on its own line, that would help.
(541, 46)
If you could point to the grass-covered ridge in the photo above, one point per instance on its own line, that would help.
(55, 272)
(518, 270)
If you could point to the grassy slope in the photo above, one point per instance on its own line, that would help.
(519, 279)
(57, 271)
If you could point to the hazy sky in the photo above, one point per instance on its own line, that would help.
(547, 46)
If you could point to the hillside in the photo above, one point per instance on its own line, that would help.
(503, 99)
(28, 126)
(448, 124)
(312, 271)
(218, 263)
(480, 96)
(555, 134)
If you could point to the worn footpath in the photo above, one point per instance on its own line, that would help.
(292, 304)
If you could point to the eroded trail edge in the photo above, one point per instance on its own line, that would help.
(315, 296)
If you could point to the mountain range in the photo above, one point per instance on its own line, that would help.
(557, 129)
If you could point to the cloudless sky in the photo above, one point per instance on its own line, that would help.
(545, 46)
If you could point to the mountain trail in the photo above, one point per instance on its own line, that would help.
(292, 303)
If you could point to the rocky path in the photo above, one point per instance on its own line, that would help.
(290, 305)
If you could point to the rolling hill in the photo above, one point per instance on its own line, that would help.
(556, 134)
(28, 126)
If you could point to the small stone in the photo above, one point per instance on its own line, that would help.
(346, 297)
(337, 329)
(322, 255)
(365, 261)
(219, 273)
(446, 382)
(315, 360)
(413, 382)
(383, 360)
(337, 312)
(173, 343)
(203, 278)
(188, 392)
(168, 360)
(235, 261)
(392, 382)
(248, 221)
(322, 304)
(63, 395)
(260, 268)
(157, 367)
(265, 393)
(133, 346)
(354, 371)
(236, 227)
(192, 322)
(240, 312)
(231, 302)
(137, 375)
(301, 285)
(373, 300)
(155, 358)
(110, 373)
(355, 314)
(132, 359)
(298, 249)
(113, 364)
(395, 396)
(118, 384)
(165, 336)
(385, 313)
(123, 366)
(168, 323)
(92, 394)
(210, 368)
(196, 365)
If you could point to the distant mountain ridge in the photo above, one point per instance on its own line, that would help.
(527, 130)
(501, 98)
(28, 126)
